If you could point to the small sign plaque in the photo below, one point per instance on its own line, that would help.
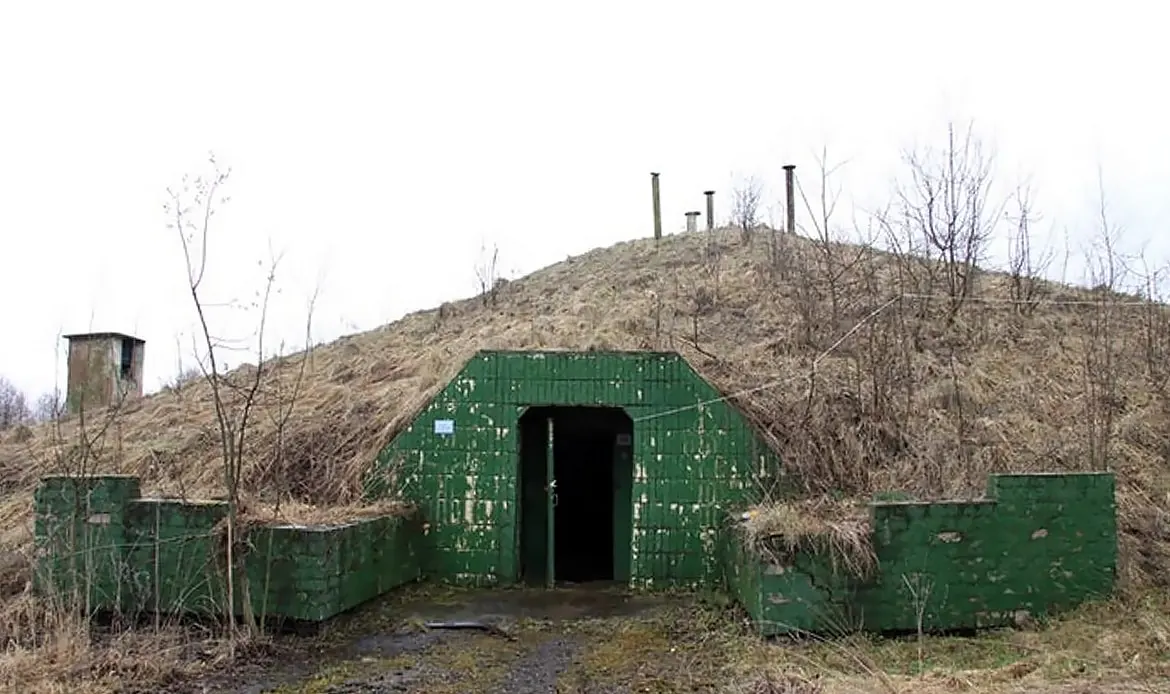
(444, 427)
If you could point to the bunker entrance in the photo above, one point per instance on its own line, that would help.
(576, 502)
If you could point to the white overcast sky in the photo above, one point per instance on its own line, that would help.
(378, 145)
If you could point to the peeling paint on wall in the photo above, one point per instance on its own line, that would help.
(1018, 555)
(694, 460)
(163, 555)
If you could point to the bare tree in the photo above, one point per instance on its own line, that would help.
(191, 209)
(280, 412)
(13, 405)
(1026, 267)
(1156, 328)
(944, 217)
(745, 205)
(1107, 272)
(184, 372)
(49, 407)
(487, 273)
(838, 253)
(283, 396)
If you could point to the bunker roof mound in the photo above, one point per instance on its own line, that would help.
(865, 378)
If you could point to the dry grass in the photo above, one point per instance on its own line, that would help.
(1118, 646)
(908, 401)
(673, 645)
(837, 529)
(298, 513)
(54, 651)
(904, 403)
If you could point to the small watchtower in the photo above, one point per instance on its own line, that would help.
(104, 369)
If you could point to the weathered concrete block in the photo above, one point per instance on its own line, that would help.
(104, 548)
(1038, 545)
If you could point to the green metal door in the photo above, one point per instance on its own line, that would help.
(623, 506)
(534, 538)
(551, 501)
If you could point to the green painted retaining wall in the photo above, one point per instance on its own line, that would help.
(694, 459)
(1036, 545)
(101, 545)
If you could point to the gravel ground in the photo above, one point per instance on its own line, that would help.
(537, 672)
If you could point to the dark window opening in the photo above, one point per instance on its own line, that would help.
(591, 501)
(127, 361)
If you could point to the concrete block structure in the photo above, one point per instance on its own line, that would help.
(543, 467)
(104, 369)
(1036, 544)
(102, 547)
(553, 467)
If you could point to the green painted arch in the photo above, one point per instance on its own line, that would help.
(695, 459)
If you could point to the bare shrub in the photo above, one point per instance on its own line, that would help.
(487, 274)
(1027, 265)
(705, 293)
(1106, 274)
(745, 206)
(780, 252)
(1155, 333)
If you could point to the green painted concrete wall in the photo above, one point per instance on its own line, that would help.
(103, 546)
(692, 463)
(80, 532)
(1037, 545)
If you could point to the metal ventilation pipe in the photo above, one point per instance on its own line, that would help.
(657, 206)
(790, 203)
(710, 209)
(693, 222)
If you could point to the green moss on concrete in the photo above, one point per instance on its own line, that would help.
(103, 548)
(1037, 545)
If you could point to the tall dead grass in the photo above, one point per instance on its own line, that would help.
(909, 401)
(913, 399)
(53, 650)
(839, 530)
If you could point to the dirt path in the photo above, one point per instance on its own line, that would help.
(531, 643)
(604, 641)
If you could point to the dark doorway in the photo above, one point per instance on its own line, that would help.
(591, 500)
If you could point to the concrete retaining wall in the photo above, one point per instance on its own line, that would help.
(1036, 545)
(102, 546)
